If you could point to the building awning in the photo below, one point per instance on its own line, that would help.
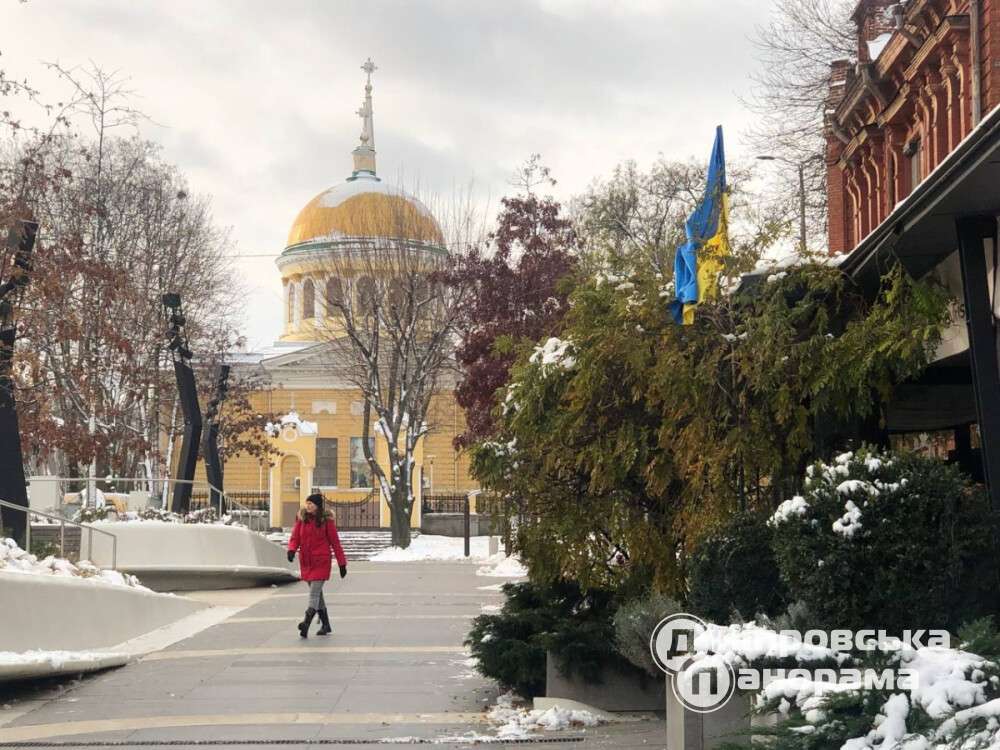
(920, 231)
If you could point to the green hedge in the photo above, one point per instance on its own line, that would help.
(733, 572)
(889, 541)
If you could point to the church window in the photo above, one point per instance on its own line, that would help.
(366, 295)
(308, 299)
(325, 474)
(334, 296)
(361, 473)
(397, 296)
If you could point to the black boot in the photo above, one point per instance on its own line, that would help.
(304, 625)
(324, 618)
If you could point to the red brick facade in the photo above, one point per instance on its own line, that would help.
(900, 108)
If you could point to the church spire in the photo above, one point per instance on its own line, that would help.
(364, 154)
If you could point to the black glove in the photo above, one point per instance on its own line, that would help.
(343, 571)
(291, 555)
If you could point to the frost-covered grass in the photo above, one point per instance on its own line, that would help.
(13, 559)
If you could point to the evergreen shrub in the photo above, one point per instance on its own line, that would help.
(891, 541)
(575, 625)
(634, 624)
(733, 572)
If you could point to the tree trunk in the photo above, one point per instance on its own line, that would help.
(400, 524)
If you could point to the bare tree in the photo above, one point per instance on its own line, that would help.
(789, 94)
(390, 325)
(118, 228)
(636, 217)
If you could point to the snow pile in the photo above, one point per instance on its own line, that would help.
(554, 353)
(876, 45)
(501, 566)
(430, 547)
(849, 523)
(55, 660)
(13, 559)
(518, 723)
(746, 643)
(789, 509)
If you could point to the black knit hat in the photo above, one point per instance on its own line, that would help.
(317, 499)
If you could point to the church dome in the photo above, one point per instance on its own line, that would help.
(363, 207)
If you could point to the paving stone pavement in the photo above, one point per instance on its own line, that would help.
(395, 668)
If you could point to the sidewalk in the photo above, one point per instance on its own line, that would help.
(394, 668)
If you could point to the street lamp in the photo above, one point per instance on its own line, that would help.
(801, 167)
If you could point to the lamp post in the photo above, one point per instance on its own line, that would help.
(801, 167)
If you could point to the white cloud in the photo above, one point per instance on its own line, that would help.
(255, 100)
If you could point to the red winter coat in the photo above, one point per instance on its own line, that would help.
(313, 544)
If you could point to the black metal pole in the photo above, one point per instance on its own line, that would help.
(468, 526)
(982, 343)
(21, 239)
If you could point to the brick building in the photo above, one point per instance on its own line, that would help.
(925, 72)
(913, 177)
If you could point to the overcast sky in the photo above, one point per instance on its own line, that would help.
(255, 100)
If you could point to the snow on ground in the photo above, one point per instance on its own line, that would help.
(512, 722)
(54, 659)
(501, 566)
(431, 547)
(13, 559)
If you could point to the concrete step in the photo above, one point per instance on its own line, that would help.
(358, 545)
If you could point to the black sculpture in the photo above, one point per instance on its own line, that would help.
(210, 448)
(188, 394)
(21, 240)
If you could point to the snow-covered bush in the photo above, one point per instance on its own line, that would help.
(733, 572)
(952, 703)
(89, 514)
(888, 541)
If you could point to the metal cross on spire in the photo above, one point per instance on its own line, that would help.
(364, 154)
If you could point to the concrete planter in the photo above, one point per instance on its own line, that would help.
(188, 557)
(620, 690)
(453, 524)
(687, 730)
(53, 613)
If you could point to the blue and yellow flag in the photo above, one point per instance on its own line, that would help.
(698, 261)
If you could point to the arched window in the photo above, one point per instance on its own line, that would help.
(291, 303)
(308, 299)
(397, 296)
(365, 295)
(334, 296)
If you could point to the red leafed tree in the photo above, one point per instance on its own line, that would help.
(516, 295)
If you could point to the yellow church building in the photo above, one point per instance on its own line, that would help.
(318, 437)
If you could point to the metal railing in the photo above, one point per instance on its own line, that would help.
(62, 521)
(257, 519)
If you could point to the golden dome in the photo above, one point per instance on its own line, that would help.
(364, 207)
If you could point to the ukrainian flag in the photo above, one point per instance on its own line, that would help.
(698, 261)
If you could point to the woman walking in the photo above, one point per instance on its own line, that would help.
(314, 535)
